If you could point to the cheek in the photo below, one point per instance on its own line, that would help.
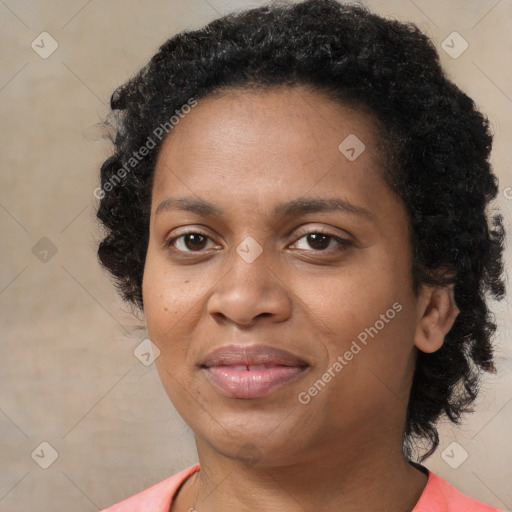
(356, 296)
(170, 297)
(171, 303)
(369, 309)
(172, 306)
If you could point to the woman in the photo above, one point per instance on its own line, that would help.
(296, 201)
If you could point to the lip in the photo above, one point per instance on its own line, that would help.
(251, 371)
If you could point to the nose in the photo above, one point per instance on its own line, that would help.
(248, 291)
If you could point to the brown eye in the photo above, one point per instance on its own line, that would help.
(320, 241)
(189, 242)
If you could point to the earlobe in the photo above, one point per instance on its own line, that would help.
(437, 312)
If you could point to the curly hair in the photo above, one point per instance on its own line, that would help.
(434, 140)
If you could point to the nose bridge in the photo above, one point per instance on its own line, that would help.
(250, 264)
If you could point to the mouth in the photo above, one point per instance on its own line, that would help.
(251, 371)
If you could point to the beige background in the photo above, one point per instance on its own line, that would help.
(69, 374)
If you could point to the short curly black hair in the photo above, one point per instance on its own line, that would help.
(437, 145)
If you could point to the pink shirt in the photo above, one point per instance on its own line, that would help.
(438, 496)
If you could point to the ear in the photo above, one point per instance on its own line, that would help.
(437, 312)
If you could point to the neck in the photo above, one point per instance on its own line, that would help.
(373, 477)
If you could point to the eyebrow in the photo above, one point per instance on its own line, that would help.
(297, 206)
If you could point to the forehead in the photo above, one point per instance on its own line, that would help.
(255, 145)
(236, 116)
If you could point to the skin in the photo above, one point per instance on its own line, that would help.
(246, 152)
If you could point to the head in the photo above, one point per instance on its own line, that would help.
(242, 134)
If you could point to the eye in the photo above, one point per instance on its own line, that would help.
(193, 241)
(323, 241)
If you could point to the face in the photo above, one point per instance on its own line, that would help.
(271, 242)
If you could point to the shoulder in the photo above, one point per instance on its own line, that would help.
(440, 496)
(156, 498)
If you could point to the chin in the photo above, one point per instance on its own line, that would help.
(254, 439)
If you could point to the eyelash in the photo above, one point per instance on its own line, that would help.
(343, 242)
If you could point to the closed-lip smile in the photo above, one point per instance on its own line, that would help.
(251, 371)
